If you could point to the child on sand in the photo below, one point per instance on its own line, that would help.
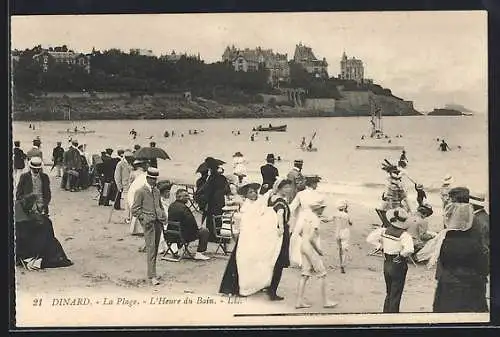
(342, 232)
(311, 255)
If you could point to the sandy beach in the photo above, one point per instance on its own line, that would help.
(106, 259)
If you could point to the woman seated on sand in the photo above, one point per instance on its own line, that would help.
(36, 244)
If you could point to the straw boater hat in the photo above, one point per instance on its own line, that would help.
(448, 179)
(152, 173)
(313, 178)
(35, 163)
(397, 217)
(478, 199)
(419, 187)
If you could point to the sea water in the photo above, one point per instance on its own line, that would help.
(343, 168)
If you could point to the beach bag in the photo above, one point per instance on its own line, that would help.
(259, 246)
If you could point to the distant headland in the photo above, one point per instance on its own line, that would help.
(451, 110)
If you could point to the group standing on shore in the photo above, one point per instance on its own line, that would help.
(279, 221)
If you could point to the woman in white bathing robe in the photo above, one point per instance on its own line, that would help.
(300, 203)
(259, 245)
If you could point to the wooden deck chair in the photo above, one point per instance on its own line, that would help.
(225, 234)
(173, 235)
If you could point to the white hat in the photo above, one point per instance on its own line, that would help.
(152, 172)
(447, 179)
(478, 199)
(342, 204)
(36, 163)
(397, 217)
(128, 153)
(139, 161)
(317, 204)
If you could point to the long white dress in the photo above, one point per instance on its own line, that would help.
(239, 166)
(259, 246)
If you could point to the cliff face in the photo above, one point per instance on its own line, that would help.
(358, 103)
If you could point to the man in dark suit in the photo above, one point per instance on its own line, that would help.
(58, 159)
(72, 161)
(269, 174)
(108, 188)
(178, 211)
(35, 150)
(37, 183)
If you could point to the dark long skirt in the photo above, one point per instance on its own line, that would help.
(230, 281)
(460, 297)
(35, 238)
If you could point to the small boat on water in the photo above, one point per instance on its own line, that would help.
(279, 128)
(377, 140)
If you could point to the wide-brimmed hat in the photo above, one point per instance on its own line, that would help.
(36, 163)
(317, 204)
(397, 217)
(270, 157)
(152, 172)
(211, 162)
(478, 199)
(238, 154)
(448, 179)
(128, 154)
(425, 209)
(312, 178)
(243, 190)
(419, 186)
(459, 194)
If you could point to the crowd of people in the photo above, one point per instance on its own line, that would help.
(283, 214)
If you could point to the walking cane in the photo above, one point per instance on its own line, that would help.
(112, 208)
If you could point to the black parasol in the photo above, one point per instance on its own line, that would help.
(209, 163)
(151, 153)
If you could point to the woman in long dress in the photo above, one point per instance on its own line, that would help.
(230, 280)
(462, 265)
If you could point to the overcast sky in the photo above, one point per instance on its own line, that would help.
(432, 58)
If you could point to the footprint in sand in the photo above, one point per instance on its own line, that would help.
(68, 238)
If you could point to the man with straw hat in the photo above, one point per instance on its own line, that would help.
(397, 246)
(311, 254)
(37, 183)
(147, 208)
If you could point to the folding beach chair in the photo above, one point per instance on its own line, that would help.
(172, 234)
(225, 233)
